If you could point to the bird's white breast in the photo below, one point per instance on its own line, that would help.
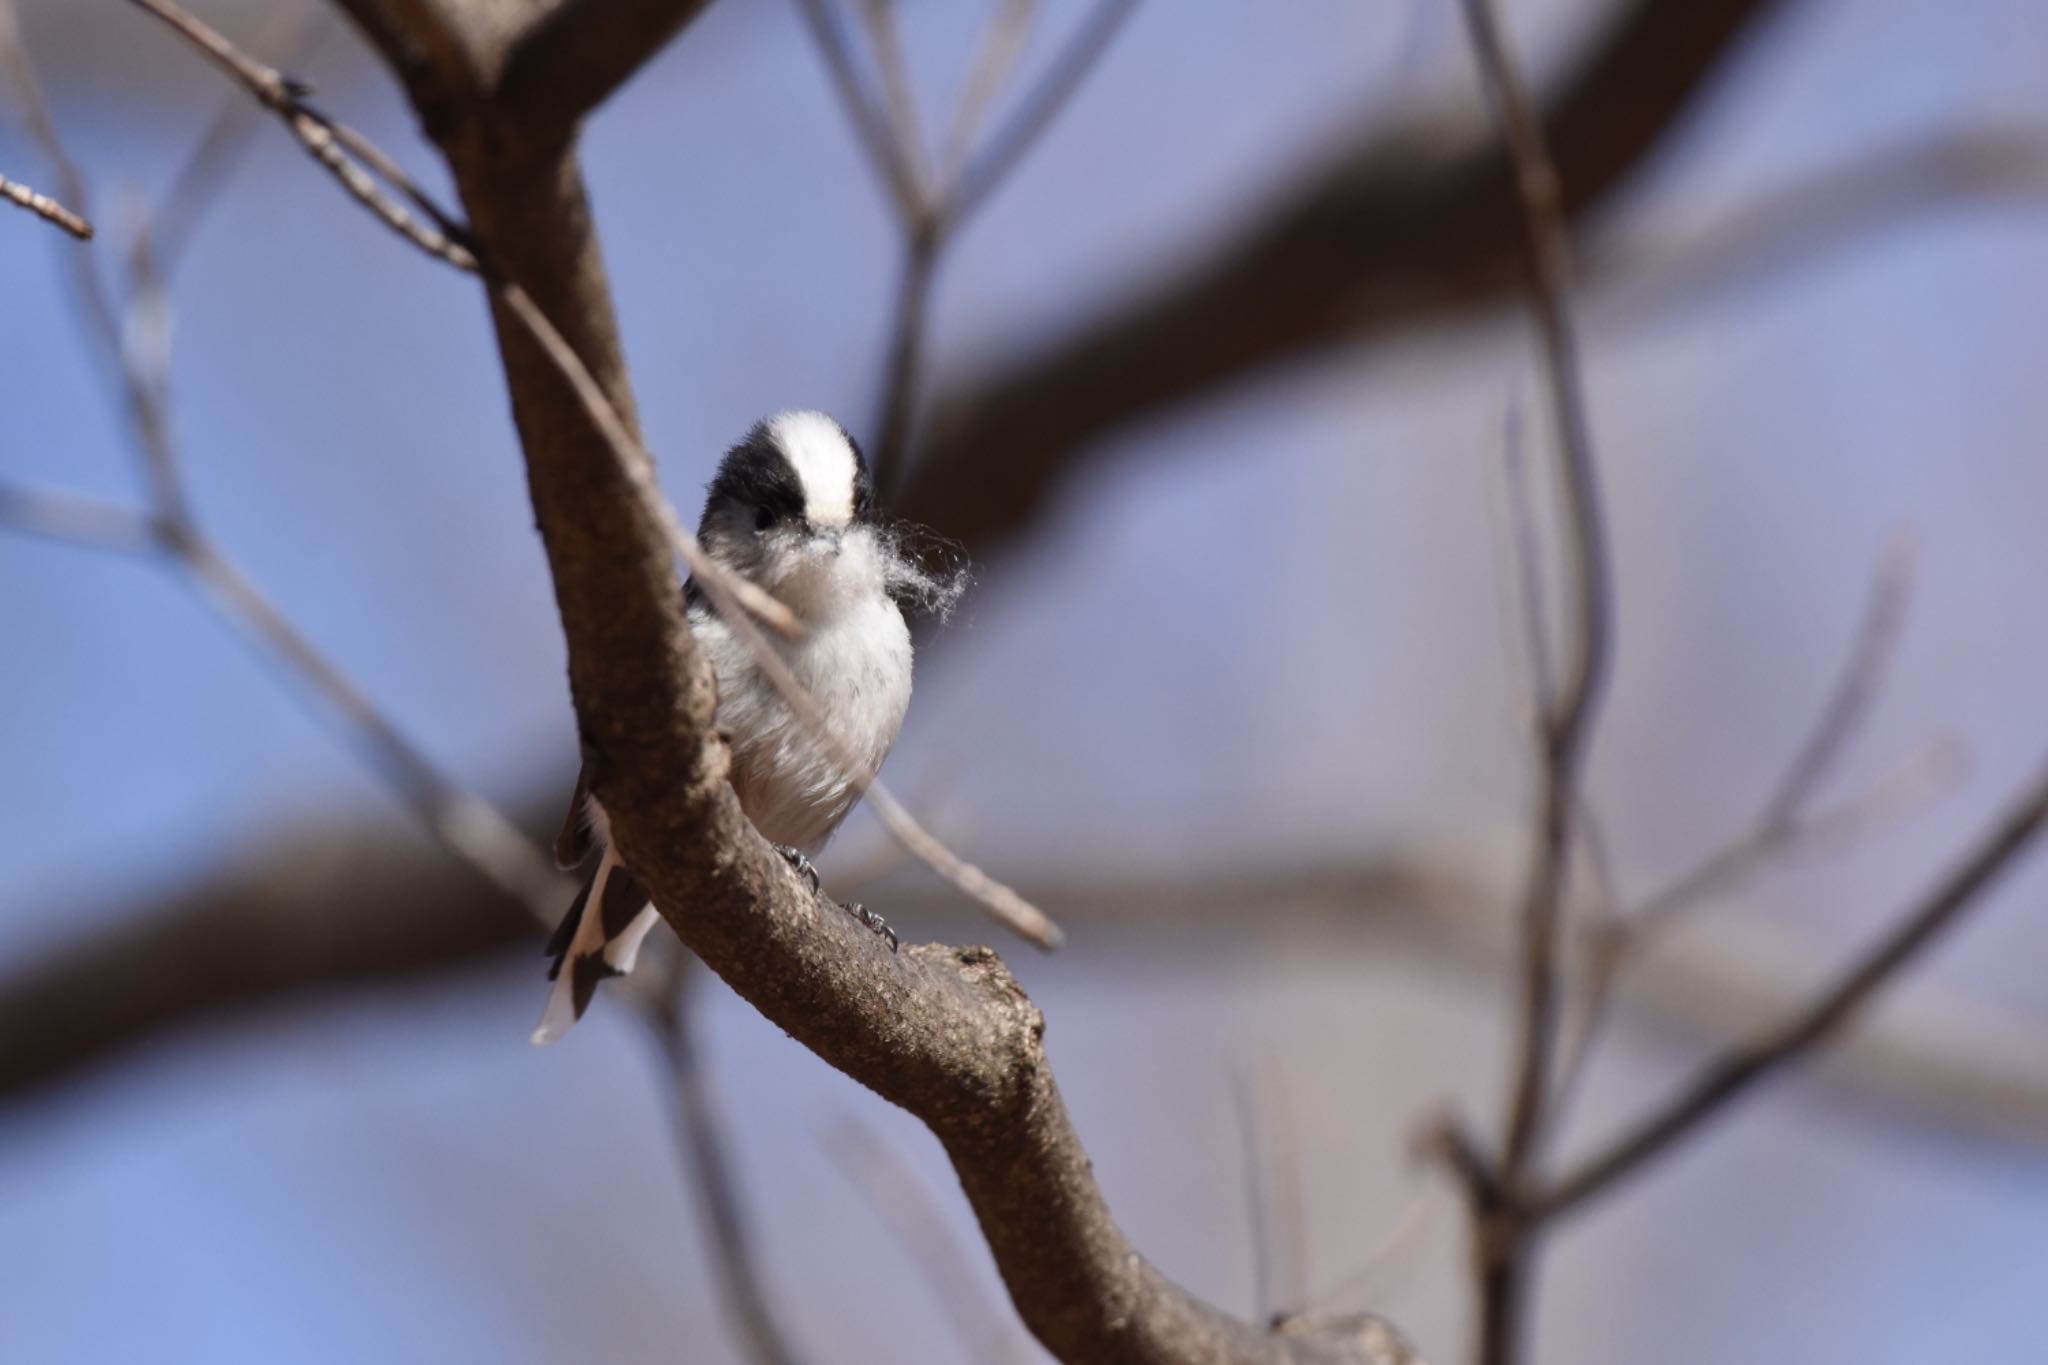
(855, 660)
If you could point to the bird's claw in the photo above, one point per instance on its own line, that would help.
(873, 921)
(799, 860)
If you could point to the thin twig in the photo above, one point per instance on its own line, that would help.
(1525, 543)
(930, 217)
(1877, 637)
(471, 827)
(1569, 715)
(1002, 43)
(891, 160)
(45, 208)
(1040, 106)
(1391, 1258)
(359, 165)
(79, 521)
(1782, 825)
(1501, 1260)
(1926, 771)
(899, 98)
(468, 827)
(1272, 1183)
(1731, 1076)
(206, 168)
(320, 136)
(102, 317)
(910, 321)
(702, 1134)
(875, 1169)
(1257, 1210)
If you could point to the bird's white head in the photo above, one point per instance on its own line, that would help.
(792, 507)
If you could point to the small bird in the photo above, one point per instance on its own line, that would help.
(792, 509)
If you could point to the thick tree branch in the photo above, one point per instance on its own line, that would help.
(1394, 232)
(574, 56)
(943, 1032)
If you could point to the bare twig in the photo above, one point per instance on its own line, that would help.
(893, 162)
(45, 208)
(875, 1169)
(702, 1134)
(360, 165)
(1525, 544)
(1926, 771)
(1876, 640)
(78, 521)
(1002, 43)
(929, 217)
(342, 157)
(1731, 1076)
(1568, 716)
(1783, 824)
(899, 99)
(903, 368)
(1040, 106)
(1395, 1255)
(193, 186)
(96, 303)
(464, 823)
(468, 827)
(1257, 1195)
(1272, 1182)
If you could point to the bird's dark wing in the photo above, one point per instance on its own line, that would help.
(572, 845)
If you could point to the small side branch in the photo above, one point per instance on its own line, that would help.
(702, 1134)
(931, 202)
(1732, 1076)
(470, 828)
(45, 208)
(1568, 717)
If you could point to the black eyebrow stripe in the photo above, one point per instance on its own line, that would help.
(756, 473)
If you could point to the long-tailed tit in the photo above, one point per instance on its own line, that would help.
(792, 510)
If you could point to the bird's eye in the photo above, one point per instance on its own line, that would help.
(763, 519)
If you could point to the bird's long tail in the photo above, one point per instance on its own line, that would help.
(598, 938)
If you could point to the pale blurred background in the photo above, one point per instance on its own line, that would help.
(1264, 643)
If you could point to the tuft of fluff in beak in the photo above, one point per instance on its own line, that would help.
(926, 573)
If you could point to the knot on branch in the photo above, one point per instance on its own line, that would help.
(984, 969)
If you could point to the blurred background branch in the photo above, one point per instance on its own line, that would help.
(45, 208)
(1398, 230)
